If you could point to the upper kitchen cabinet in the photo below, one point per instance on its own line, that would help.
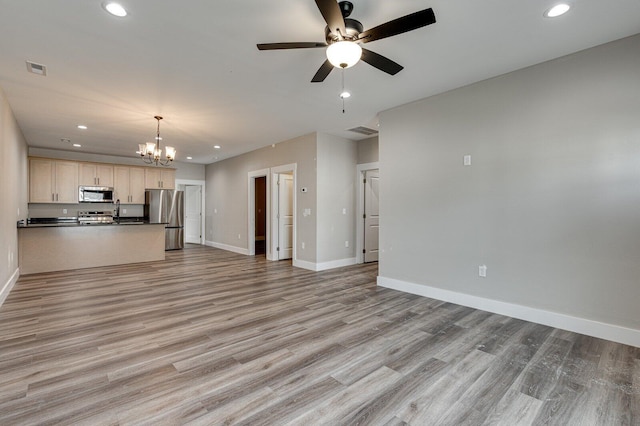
(53, 181)
(129, 184)
(95, 174)
(156, 178)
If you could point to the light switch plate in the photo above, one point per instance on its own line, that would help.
(466, 160)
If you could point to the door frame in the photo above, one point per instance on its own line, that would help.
(202, 185)
(272, 220)
(251, 225)
(360, 170)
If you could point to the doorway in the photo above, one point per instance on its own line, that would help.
(371, 215)
(283, 232)
(194, 195)
(368, 218)
(193, 214)
(281, 217)
(260, 229)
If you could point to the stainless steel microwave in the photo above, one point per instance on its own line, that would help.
(95, 194)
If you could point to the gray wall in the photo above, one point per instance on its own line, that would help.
(551, 202)
(368, 150)
(227, 193)
(13, 191)
(337, 158)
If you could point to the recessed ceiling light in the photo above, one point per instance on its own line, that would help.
(345, 95)
(82, 127)
(77, 145)
(115, 9)
(557, 10)
(189, 158)
(217, 146)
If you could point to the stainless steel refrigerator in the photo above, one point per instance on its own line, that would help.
(167, 206)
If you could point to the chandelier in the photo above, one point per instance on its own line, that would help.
(151, 152)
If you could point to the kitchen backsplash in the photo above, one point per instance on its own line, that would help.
(58, 210)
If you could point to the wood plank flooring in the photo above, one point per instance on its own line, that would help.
(211, 337)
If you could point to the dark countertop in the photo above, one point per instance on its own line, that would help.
(73, 222)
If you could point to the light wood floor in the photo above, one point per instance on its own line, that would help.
(212, 337)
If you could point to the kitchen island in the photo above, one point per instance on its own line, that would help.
(64, 246)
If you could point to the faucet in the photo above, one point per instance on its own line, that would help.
(117, 209)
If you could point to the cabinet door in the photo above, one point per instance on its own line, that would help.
(121, 188)
(66, 181)
(104, 175)
(168, 178)
(87, 174)
(152, 178)
(136, 185)
(41, 187)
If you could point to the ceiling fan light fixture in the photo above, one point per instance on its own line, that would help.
(344, 54)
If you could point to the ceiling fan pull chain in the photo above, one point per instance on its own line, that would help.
(342, 91)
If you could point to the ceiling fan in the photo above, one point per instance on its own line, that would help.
(343, 37)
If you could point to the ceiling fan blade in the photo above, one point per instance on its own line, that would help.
(323, 72)
(293, 45)
(332, 15)
(382, 63)
(398, 26)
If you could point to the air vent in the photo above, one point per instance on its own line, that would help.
(364, 131)
(36, 68)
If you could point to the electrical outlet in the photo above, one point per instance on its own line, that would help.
(124, 211)
(482, 271)
(239, 237)
(303, 245)
(346, 243)
(344, 211)
(64, 211)
(215, 211)
(466, 160)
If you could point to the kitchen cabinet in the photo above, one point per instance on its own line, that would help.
(94, 174)
(53, 181)
(156, 178)
(129, 184)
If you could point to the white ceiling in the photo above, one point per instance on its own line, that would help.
(196, 63)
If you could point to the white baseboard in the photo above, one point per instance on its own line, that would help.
(6, 288)
(323, 266)
(615, 333)
(239, 250)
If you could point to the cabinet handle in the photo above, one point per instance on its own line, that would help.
(98, 179)
(56, 197)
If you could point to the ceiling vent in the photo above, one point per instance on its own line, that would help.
(364, 131)
(36, 68)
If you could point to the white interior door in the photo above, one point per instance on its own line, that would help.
(285, 216)
(371, 215)
(193, 214)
